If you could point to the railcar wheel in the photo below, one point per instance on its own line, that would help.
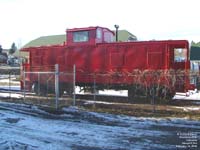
(43, 91)
(35, 88)
(69, 91)
(131, 93)
(170, 94)
(61, 92)
(39, 89)
(138, 91)
(165, 93)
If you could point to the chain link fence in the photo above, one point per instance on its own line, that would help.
(48, 86)
(51, 86)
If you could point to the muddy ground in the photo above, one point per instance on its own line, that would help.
(28, 128)
(136, 110)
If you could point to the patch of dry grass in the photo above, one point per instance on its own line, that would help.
(144, 110)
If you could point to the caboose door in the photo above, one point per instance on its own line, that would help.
(180, 64)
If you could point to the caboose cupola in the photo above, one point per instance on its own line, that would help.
(89, 36)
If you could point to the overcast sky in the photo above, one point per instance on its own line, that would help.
(25, 20)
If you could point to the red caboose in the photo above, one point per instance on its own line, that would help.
(134, 66)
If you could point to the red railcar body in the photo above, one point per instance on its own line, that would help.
(117, 64)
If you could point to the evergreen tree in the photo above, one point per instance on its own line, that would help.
(1, 49)
(12, 49)
(193, 43)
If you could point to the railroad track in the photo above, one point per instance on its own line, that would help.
(105, 98)
(184, 102)
(79, 96)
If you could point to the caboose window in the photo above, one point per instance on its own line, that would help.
(99, 33)
(108, 37)
(180, 54)
(81, 36)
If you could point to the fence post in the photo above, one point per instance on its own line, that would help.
(9, 85)
(24, 74)
(94, 88)
(57, 84)
(153, 99)
(38, 84)
(74, 85)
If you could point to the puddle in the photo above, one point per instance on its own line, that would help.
(12, 120)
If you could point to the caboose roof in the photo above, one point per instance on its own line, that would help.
(123, 36)
(88, 28)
